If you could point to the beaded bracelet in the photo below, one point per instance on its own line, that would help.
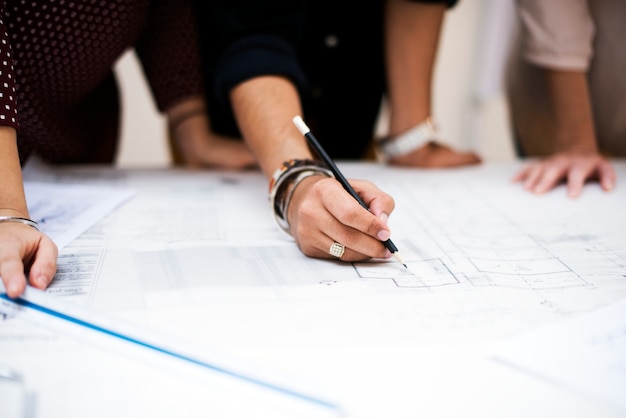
(289, 165)
(16, 219)
(283, 184)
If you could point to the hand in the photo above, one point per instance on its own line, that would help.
(322, 212)
(574, 167)
(24, 249)
(193, 142)
(195, 145)
(435, 155)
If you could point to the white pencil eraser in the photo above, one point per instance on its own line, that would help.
(297, 120)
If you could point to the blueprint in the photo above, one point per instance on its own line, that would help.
(485, 259)
(197, 256)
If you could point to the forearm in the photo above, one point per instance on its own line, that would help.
(411, 37)
(264, 108)
(12, 197)
(318, 209)
(572, 111)
(184, 111)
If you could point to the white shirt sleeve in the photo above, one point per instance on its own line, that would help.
(557, 34)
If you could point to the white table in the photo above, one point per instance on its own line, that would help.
(196, 257)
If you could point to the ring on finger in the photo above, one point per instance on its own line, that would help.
(336, 249)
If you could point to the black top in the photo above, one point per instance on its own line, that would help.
(331, 49)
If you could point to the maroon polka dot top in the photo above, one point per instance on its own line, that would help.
(57, 85)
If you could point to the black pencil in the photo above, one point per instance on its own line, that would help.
(297, 120)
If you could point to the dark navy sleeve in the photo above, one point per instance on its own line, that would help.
(248, 38)
(448, 3)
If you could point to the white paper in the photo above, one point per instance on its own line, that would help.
(198, 256)
(243, 387)
(64, 211)
(586, 353)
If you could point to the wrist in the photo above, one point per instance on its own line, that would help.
(20, 220)
(408, 141)
(576, 144)
(177, 120)
(14, 212)
(284, 183)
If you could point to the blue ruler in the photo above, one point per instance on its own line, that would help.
(51, 307)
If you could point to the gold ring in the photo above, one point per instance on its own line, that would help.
(337, 249)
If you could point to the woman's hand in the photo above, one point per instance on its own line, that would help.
(195, 145)
(321, 212)
(575, 168)
(25, 253)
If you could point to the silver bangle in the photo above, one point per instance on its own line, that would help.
(414, 138)
(282, 220)
(285, 179)
(19, 220)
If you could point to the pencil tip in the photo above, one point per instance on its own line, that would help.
(399, 258)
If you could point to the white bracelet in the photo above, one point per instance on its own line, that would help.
(16, 219)
(410, 140)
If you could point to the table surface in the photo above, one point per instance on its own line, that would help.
(195, 257)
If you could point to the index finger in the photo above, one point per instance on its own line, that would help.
(378, 202)
(12, 273)
(43, 267)
(576, 181)
(607, 175)
(350, 213)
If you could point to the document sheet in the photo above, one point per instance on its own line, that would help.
(586, 352)
(198, 255)
(485, 258)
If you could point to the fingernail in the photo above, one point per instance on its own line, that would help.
(384, 217)
(41, 282)
(13, 289)
(383, 235)
(388, 254)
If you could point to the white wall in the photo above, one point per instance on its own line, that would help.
(468, 100)
(468, 95)
(144, 142)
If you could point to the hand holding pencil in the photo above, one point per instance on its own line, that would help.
(358, 230)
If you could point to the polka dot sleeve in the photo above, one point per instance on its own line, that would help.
(168, 49)
(8, 105)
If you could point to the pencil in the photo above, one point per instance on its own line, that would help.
(297, 120)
